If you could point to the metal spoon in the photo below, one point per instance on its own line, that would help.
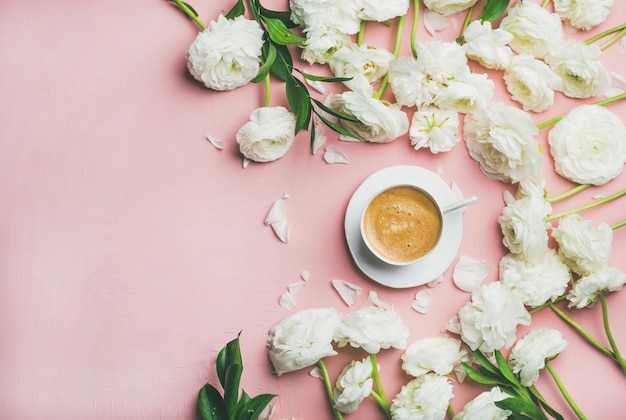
(459, 204)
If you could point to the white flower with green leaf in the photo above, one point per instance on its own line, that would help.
(371, 62)
(466, 92)
(588, 289)
(441, 355)
(268, 135)
(227, 53)
(372, 329)
(321, 43)
(353, 385)
(425, 397)
(529, 355)
(488, 46)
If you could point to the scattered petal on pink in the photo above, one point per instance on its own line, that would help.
(373, 298)
(305, 275)
(434, 22)
(422, 300)
(218, 144)
(316, 372)
(276, 213)
(320, 138)
(348, 292)
(468, 273)
(281, 229)
(294, 287)
(453, 325)
(334, 155)
(287, 301)
(435, 282)
(245, 163)
(618, 86)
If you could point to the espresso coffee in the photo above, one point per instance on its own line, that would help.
(402, 224)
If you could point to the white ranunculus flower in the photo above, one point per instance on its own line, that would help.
(353, 385)
(321, 43)
(381, 11)
(501, 139)
(588, 145)
(588, 289)
(489, 321)
(448, 7)
(466, 93)
(410, 84)
(340, 15)
(441, 60)
(434, 128)
(535, 30)
(585, 248)
(488, 46)
(529, 355)
(441, 355)
(372, 329)
(531, 83)
(302, 339)
(268, 135)
(537, 281)
(578, 65)
(371, 62)
(483, 407)
(425, 397)
(379, 123)
(227, 53)
(583, 14)
(523, 228)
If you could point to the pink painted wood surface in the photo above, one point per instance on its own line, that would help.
(131, 250)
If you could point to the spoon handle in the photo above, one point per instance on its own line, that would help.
(459, 204)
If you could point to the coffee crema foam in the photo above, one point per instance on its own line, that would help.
(402, 224)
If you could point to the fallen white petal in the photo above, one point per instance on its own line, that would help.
(316, 372)
(246, 161)
(348, 292)
(276, 213)
(468, 273)
(294, 287)
(320, 138)
(215, 142)
(453, 325)
(434, 22)
(317, 85)
(422, 300)
(334, 155)
(373, 298)
(267, 412)
(287, 301)
(435, 282)
(286, 196)
(508, 197)
(281, 229)
(305, 275)
(618, 86)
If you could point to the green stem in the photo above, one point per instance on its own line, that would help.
(450, 411)
(545, 3)
(605, 33)
(595, 343)
(466, 22)
(618, 225)
(190, 14)
(416, 17)
(361, 34)
(538, 397)
(586, 206)
(566, 394)
(547, 304)
(266, 100)
(613, 40)
(396, 51)
(609, 334)
(602, 102)
(329, 389)
(567, 194)
(382, 402)
(377, 382)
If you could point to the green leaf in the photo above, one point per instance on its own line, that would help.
(506, 370)
(231, 389)
(299, 101)
(269, 57)
(279, 33)
(336, 113)
(283, 64)
(484, 362)
(322, 78)
(210, 404)
(485, 378)
(229, 355)
(521, 408)
(339, 129)
(492, 10)
(237, 10)
(252, 408)
(284, 17)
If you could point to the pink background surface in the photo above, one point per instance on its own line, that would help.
(131, 250)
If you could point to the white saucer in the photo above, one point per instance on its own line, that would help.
(431, 266)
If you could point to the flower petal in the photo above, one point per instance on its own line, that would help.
(281, 229)
(276, 213)
(422, 301)
(468, 273)
(317, 85)
(435, 282)
(348, 292)
(618, 85)
(294, 287)
(245, 163)
(334, 155)
(320, 138)
(373, 298)
(434, 22)
(305, 275)
(218, 144)
(287, 301)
